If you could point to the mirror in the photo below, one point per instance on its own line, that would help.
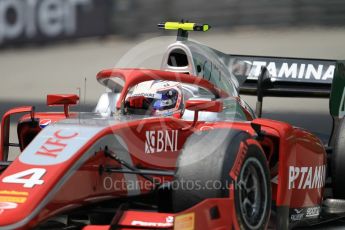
(62, 99)
(204, 105)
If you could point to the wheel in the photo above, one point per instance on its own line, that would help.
(253, 191)
(337, 162)
(207, 159)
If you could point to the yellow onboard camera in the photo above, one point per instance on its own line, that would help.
(183, 28)
(187, 26)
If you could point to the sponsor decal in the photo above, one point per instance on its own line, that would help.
(313, 212)
(161, 141)
(44, 122)
(149, 95)
(293, 70)
(14, 193)
(307, 177)
(13, 196)
(297, 217)
(7, 205)
(56, 144)
(235, 171)
(284, 69)
(298, 211)
(169, 223)
(184, 222)
(14, 199)
(297, 214)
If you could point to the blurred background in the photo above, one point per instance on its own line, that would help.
(58, 46)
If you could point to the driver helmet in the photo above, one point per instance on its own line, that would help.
(156, 97)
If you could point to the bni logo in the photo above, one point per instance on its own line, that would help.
(161, 141)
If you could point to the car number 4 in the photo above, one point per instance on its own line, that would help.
(22, 177)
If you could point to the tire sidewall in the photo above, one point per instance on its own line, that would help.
(254, 154)
(206, 169)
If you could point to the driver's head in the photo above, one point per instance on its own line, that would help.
(156, 98)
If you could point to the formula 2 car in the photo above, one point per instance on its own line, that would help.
(177, 148)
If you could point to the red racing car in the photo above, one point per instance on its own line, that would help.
(177, 148)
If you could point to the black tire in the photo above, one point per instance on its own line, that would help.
(337, 162)
(255, 174)
(212, 154)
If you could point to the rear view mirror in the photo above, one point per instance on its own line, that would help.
(204, 105)
(62, 99)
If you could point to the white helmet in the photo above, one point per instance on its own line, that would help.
(156, 97)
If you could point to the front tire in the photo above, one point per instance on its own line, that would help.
(253, 191)
(210, 156)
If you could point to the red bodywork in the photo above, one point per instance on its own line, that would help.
(63, 165)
